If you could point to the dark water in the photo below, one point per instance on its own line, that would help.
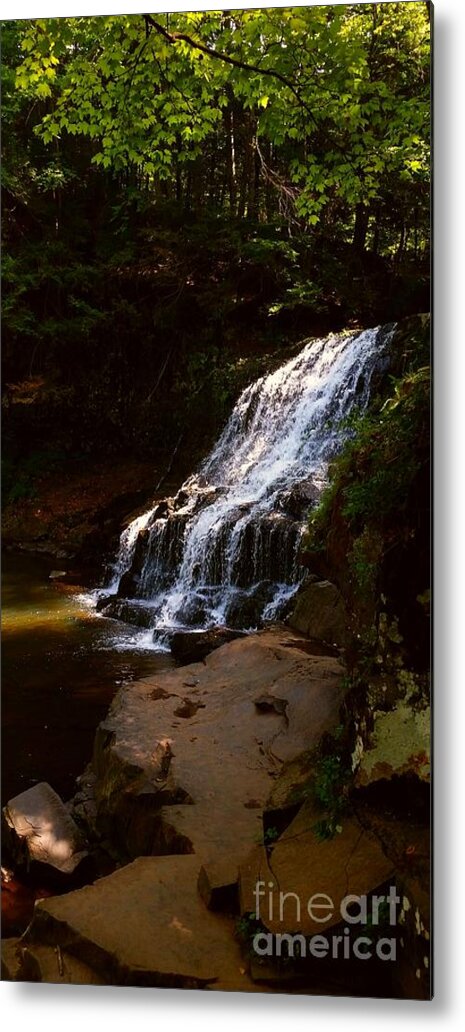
(61, 665)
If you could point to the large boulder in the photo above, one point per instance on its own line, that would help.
(38, 827)
(194, 646)
(220, 748)
(320, 613)
(245, 607)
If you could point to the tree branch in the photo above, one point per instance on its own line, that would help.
(174, 37)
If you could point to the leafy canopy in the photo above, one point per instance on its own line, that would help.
(343, 89)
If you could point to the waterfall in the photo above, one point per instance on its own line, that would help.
(225, 549)
(127, 544)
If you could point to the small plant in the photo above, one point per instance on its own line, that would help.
(270, 836)
(365, 558)
(247, 927)
(329, 791)
(326, 829)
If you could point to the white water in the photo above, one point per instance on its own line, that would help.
(127, 544)
(229, 530)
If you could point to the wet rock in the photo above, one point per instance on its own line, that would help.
(246, 607)
(38, 827)
(197, 495)
(289, 791)
(140, 614)
(104, 601)
(182, 498)
(320, 613)
(300, 498)
(194, 646)
(163, 509)
(194, 612)
(128, 585)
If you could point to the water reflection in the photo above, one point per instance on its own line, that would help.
(61, 665)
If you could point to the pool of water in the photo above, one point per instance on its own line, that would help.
(61, 666)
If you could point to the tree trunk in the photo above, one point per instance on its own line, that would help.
(251, 168)
(230, 156)
(269, 198)
(400, 249)
(362, 216)
(375, 240)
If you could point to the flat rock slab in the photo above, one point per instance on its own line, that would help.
(39, 827)
(353, 862)
(193, 742)
(143, 925)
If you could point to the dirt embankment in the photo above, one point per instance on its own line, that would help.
(78, 514)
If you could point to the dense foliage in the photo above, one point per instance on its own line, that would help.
(371, 531)
(185, 191)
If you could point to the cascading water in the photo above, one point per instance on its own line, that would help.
(224, 550)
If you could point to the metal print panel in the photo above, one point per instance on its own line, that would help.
(216, 574)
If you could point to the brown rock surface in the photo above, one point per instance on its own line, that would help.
(143, 925)
(320, 613)
(11, 960)
(56, 966)
(222, 755)
(352, 862)
(194, 646)
(218, 885)
(184, 764)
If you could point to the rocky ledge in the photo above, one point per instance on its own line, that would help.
(202, 785)
(185, 760)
